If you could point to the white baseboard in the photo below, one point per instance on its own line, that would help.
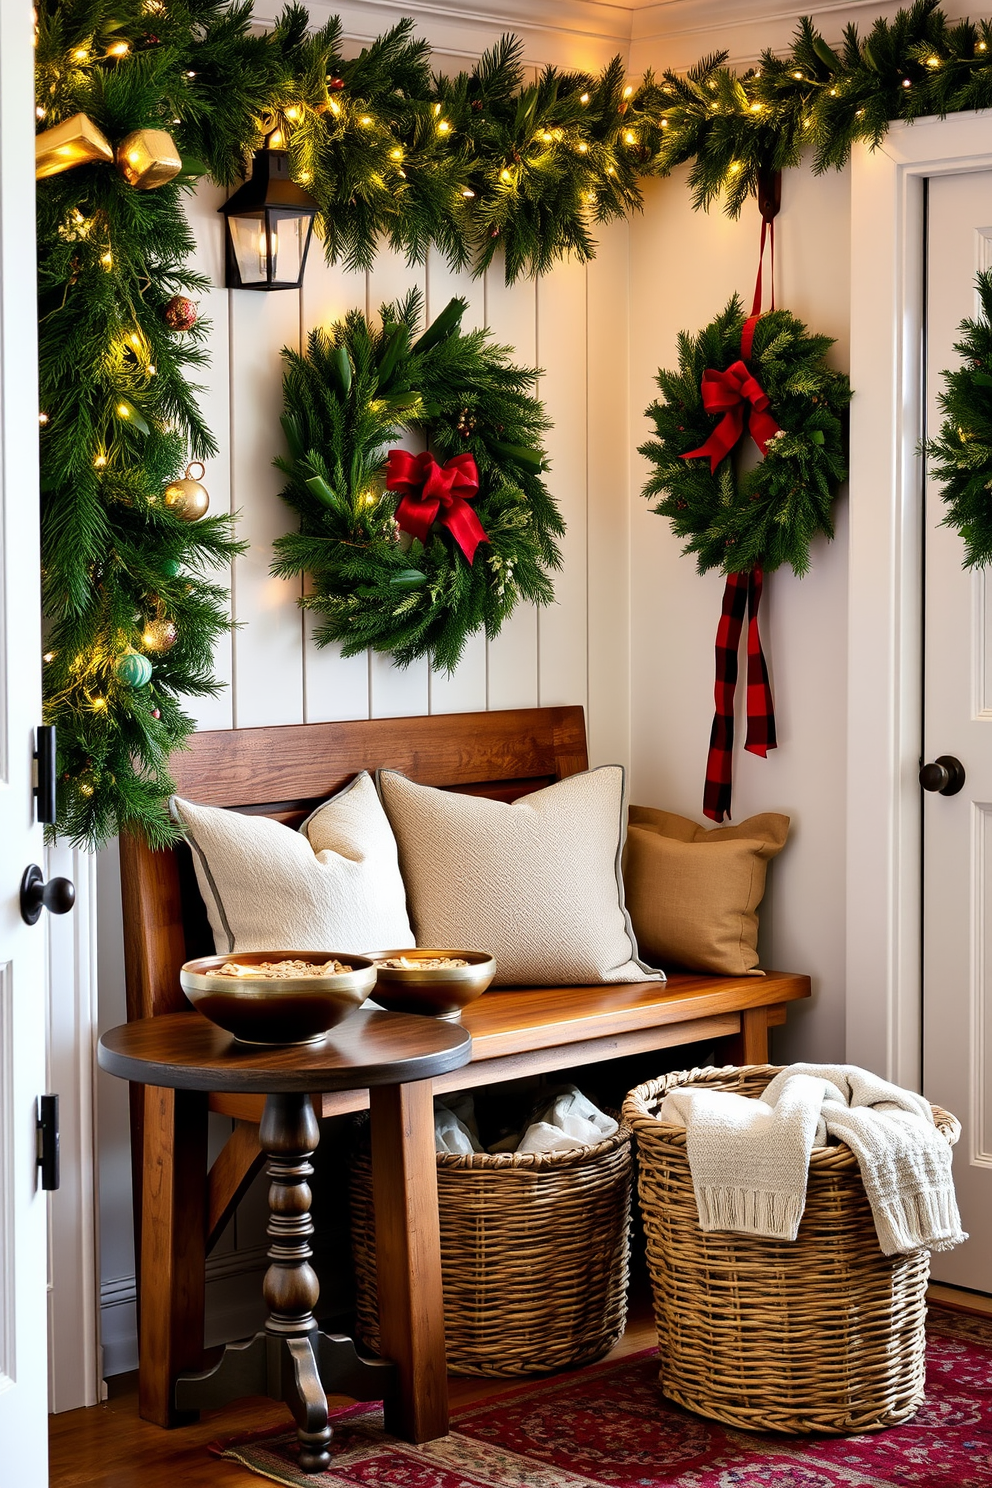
(234, 1305)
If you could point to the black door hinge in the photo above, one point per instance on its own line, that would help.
(44, 789)
(48, 1140)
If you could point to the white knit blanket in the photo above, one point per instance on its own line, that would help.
(749, 1159)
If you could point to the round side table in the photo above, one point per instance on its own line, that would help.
(395, 1056)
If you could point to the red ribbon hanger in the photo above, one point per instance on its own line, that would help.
(728, 392)
(433, 492)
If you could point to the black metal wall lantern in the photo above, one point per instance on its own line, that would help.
(269, 226)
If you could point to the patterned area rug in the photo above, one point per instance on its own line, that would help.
(609, 1427)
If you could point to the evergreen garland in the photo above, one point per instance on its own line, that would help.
(125, 581)
(768, 515)
(813, 100)
(962, 451)
(475, 165)
(356, 389)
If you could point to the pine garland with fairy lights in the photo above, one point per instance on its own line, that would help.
(379, 578)
(129, 590)
(482, 164)
(961, 454)
(815, 100)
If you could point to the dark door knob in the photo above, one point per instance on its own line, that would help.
(945, 774)
(57, 895)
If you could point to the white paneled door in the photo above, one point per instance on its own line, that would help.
(23, 1374)
(957, 827)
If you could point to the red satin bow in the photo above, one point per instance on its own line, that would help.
(433, 492)
(726, 393)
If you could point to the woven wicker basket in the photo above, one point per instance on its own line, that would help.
(824, 1333)
(534, 1255)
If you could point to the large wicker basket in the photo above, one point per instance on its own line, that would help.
(824, 1333)
(534, 1255)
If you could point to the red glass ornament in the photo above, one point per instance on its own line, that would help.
(180, 314)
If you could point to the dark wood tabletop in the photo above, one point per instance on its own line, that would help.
(184, 1051)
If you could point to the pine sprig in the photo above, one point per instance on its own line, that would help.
(961, 454)
(768, 515)
(356, 389)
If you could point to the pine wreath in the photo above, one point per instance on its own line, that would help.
(353, 393)
(768, 515)
(962, 450)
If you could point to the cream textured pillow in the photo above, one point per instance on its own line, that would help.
(693, 892)
(536, 883)
(333, 886)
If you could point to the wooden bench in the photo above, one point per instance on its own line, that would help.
(284, 772)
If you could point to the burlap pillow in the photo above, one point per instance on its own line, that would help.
(333, 886)
(537, 883)
(692, 893)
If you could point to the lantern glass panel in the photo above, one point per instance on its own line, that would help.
(288, 238)
(250, 242)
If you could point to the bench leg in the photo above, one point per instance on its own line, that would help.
(751, 1044)
(173, 1250)
(408, 1258)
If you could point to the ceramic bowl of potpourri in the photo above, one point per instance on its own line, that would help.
(278, 997)
(436, 982)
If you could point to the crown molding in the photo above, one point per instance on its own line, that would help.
(676, 33)
(586, 34)
(583, 34)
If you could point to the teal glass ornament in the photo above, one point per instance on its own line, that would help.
(134, 669)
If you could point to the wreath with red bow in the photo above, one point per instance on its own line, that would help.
(763, 376)
(778, 388)
(411, 553)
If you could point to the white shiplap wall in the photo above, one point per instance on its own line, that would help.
(572, 324)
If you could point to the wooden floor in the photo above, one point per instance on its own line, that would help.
(109, 1446)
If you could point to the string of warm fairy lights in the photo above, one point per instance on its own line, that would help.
(485, 166)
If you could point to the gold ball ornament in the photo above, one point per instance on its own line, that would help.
(147, 158)
(187, 498)
(159, 634)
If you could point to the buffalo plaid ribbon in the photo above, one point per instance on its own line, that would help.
(743, 591)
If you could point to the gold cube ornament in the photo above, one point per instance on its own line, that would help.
(148, 158)
(75, 141)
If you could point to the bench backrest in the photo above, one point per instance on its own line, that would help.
(284, 772)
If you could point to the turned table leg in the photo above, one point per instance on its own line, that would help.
(290, 1360)
(289, 1135)
(281, 1362)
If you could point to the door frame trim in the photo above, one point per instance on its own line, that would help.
(885, 640)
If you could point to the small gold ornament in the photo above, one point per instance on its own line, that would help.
(466, 422)
(159, 634)
(147, 158)
(75, 141)
(186, 498)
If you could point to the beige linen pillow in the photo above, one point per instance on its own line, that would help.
(692, 892)
(333, 886)
(537, 883)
